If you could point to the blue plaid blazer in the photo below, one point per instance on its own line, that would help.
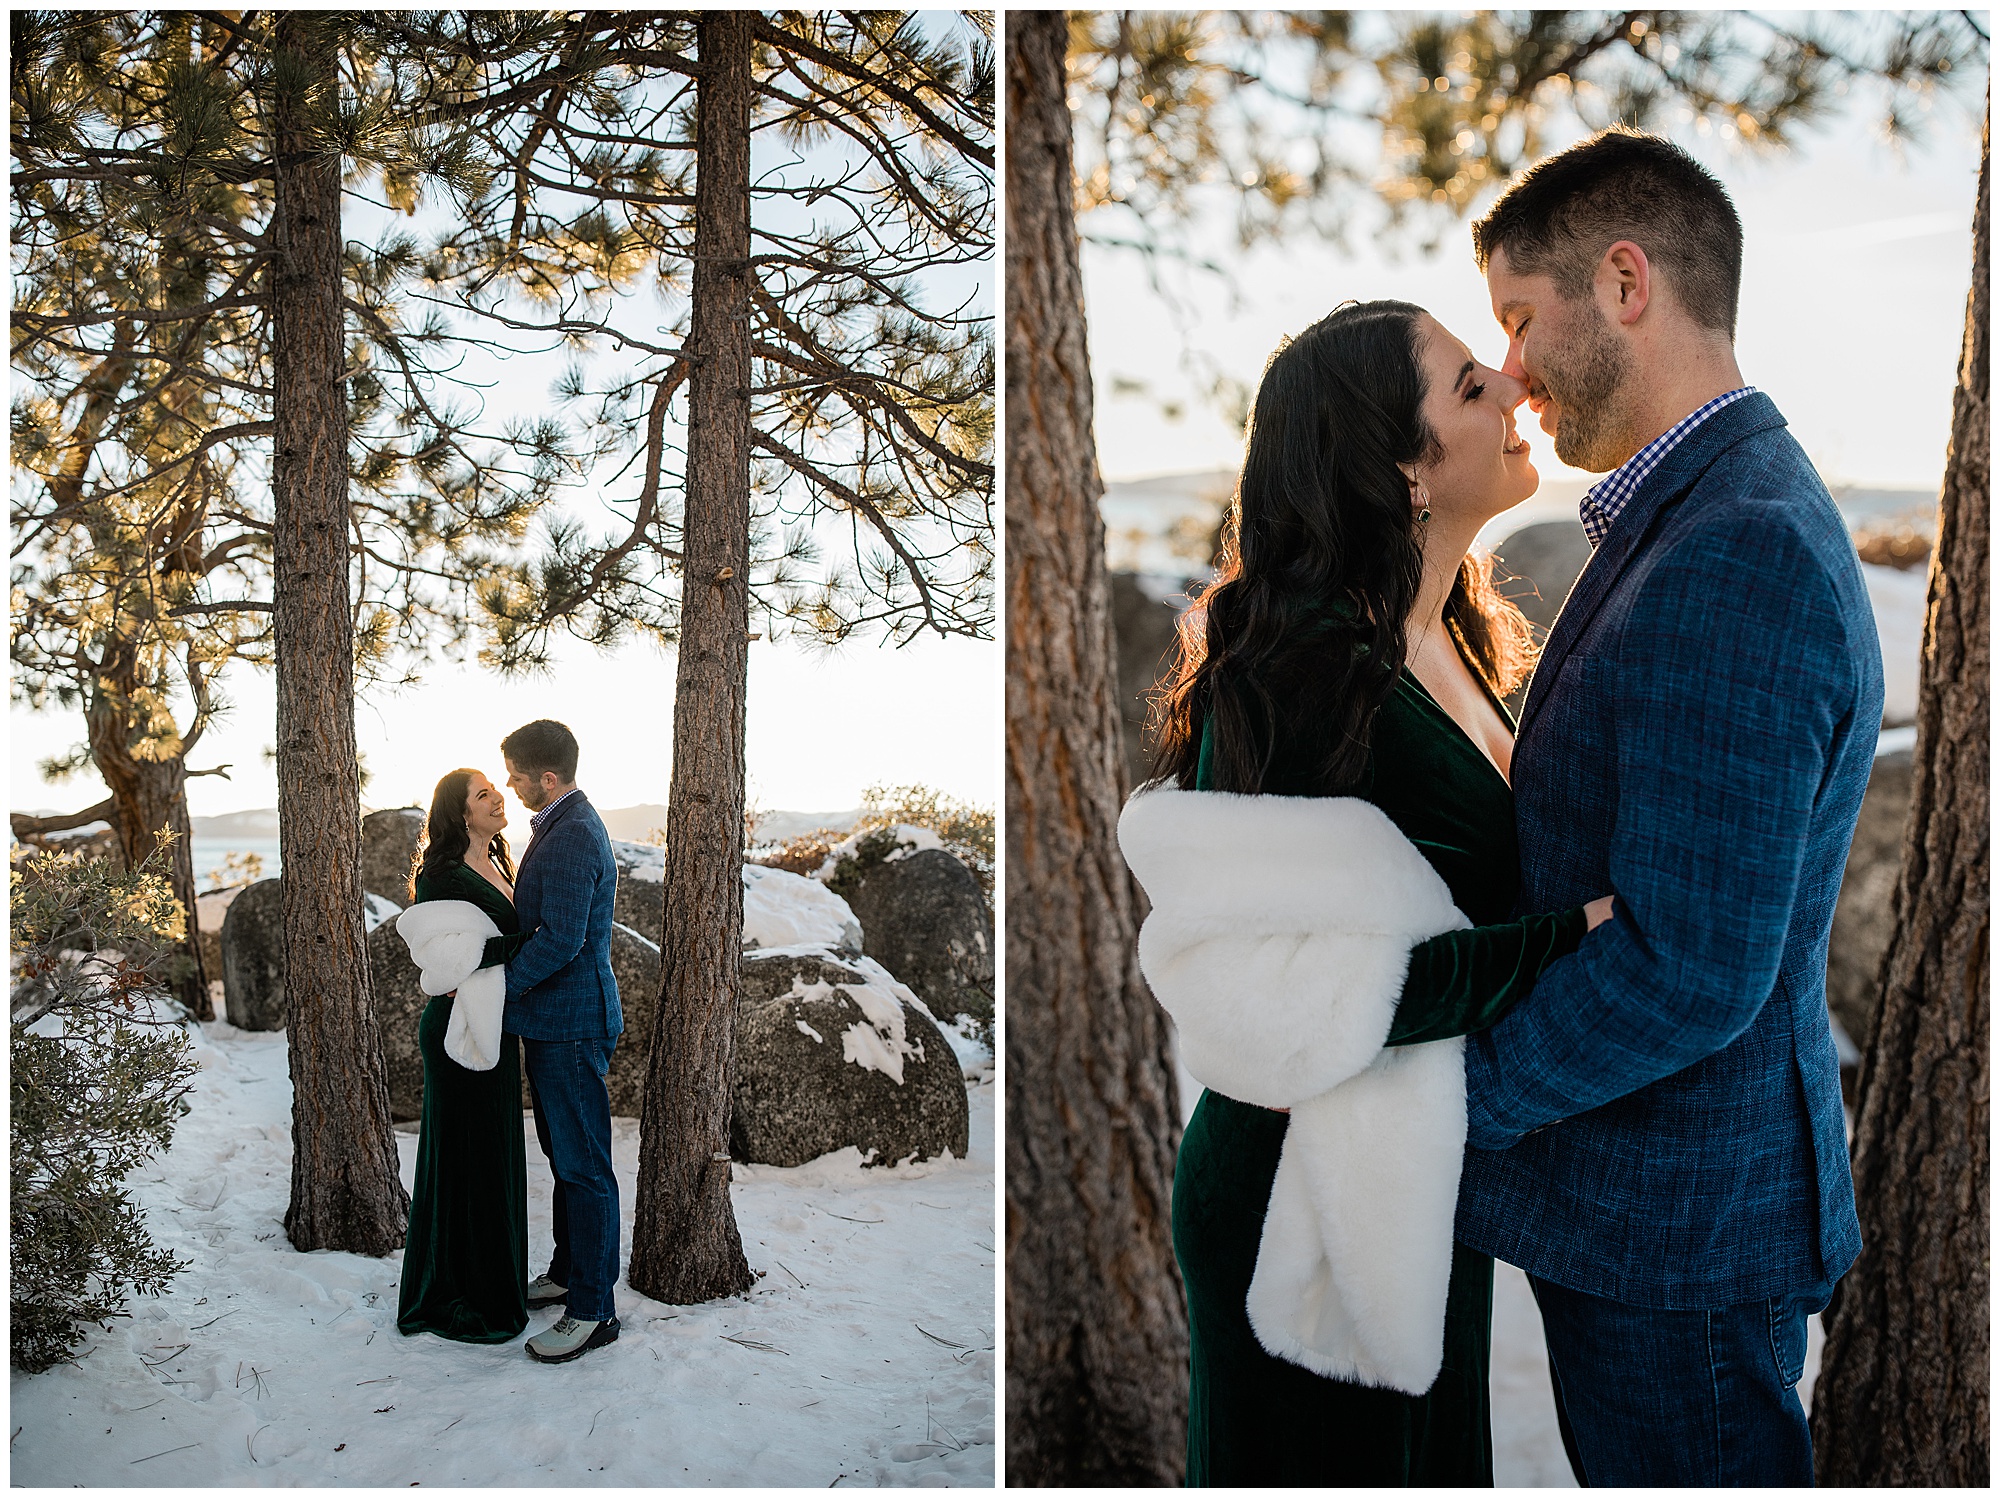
(1659, 1121)
(559, 985)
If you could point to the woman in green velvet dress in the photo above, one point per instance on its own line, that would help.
(1352, 646)
(465, 1262)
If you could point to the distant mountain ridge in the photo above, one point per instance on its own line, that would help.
(626, 823)
(260, 823)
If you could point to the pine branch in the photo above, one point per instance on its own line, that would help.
(42, 326)
(857, 386)
(861, 506)
(863, 131)
(213, 439)
(790, 42)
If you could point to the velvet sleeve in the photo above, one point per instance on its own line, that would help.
(1466, 981)
(501, 950)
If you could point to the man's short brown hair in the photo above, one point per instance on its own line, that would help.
(1561, 217)
(542, 745)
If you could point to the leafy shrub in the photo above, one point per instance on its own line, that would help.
(805, 854)
(98, 1083)
(966, 830)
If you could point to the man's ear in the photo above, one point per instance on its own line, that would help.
(1624, 282)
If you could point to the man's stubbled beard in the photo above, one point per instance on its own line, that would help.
(1584, 381)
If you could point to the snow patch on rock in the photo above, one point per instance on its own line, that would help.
(879, 1040)
(639, 936)
(975, 1057)
(909, 840)
(782, 909)
(646, 862)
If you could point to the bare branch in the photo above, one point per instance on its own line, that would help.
(25, 826)
(227, 606)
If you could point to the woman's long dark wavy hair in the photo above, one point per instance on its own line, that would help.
(1321, 562)
(447, 838)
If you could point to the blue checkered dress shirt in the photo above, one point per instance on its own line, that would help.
(536, 819)
(1606, 500)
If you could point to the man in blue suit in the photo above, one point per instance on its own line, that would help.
(562, 1000)
(1656, 1133)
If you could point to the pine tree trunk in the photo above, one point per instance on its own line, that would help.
(1902, 1395)
(1096, 1328)
(346, 1193)
(685, 1246)
(148, 794)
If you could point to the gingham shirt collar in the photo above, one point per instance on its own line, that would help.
(1605, 501)
(536, 819)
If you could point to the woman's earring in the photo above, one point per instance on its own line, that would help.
(1423, 504)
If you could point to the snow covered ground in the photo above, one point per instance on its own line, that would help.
(863, 1357)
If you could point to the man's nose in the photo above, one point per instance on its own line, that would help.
(1513, 368)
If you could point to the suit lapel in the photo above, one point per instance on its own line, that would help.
(535, 839)
(1664, 487)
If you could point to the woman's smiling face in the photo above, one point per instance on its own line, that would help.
(485, 810)
(1469, 407)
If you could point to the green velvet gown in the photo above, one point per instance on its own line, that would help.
(465, 1262)
(1257, 1420)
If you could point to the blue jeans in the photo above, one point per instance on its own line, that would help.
(1652, 1398)
(573, 1122)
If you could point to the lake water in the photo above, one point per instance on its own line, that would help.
(209, 853)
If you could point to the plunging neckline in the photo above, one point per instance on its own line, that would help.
(1458, 728)
(506, 893)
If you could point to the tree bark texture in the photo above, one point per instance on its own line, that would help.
(1096, 1325)
(148, 795)
(685, 1246)
(1902, 1397)
(346, 1193)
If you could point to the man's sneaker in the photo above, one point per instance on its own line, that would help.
(543, 1291)
(570, 1338)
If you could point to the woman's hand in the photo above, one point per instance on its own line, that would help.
(1597, 912)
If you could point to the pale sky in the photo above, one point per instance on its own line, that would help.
(1856, 270)
(821, 729)
(822, 726)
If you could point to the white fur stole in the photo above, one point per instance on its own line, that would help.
(1279, 939)
(446, 939)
